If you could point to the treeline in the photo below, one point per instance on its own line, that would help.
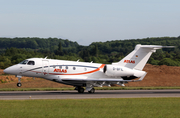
(14, 50)
(49, 44)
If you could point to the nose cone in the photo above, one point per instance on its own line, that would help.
(11, 70)
(7, 70)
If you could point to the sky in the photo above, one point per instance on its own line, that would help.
(87, 21)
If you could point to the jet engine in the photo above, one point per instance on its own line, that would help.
(117, 71)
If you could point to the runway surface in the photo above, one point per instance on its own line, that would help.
(21, 95)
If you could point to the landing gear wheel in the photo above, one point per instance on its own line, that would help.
(81, 90)
(92, 90)
(19, 84)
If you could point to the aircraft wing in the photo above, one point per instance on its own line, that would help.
(103, 79)
(92, 79)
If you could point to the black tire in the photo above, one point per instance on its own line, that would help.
(19, 84)
(81, 90)
(92, 90)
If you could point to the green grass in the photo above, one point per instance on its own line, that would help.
(97, 88)
(92, 108)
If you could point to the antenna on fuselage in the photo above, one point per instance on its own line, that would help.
(78, 60)
(91, 62)
(46, 57)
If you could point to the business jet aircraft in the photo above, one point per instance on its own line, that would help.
(89, 75)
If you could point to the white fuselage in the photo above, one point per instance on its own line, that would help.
(89, 75)
(57, 70)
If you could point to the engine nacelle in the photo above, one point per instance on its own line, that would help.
(118, 71)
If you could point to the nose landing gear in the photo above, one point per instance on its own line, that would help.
(19, 84)
(19, 81)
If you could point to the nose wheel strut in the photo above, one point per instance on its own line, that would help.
(19, 81)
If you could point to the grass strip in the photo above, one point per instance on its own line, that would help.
(97, 88)
(92, 108)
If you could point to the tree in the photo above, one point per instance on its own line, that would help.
(168, 62)
(59, 51)
(96, 50)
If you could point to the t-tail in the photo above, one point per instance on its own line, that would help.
(139, 56)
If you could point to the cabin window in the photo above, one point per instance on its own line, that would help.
(66, 67)
(24, 62)
(31, 63)
(74, 68)
(60, 67)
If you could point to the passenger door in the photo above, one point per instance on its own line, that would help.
(45, 67)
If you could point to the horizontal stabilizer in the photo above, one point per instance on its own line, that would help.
(156, 46)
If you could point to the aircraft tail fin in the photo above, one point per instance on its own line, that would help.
(139, 56)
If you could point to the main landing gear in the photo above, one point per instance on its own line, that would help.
(81, 90)
(92, 90)
(19, 81)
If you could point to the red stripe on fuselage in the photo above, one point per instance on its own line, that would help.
(81, 73)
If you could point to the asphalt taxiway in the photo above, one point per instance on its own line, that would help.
(22, 95)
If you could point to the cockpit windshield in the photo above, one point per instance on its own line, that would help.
(31, 63)
(27, 62)
(24, 62)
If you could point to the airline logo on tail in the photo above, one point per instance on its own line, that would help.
(129, 61)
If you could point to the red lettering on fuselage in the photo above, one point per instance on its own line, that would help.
(60, 70)
(129, 61)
